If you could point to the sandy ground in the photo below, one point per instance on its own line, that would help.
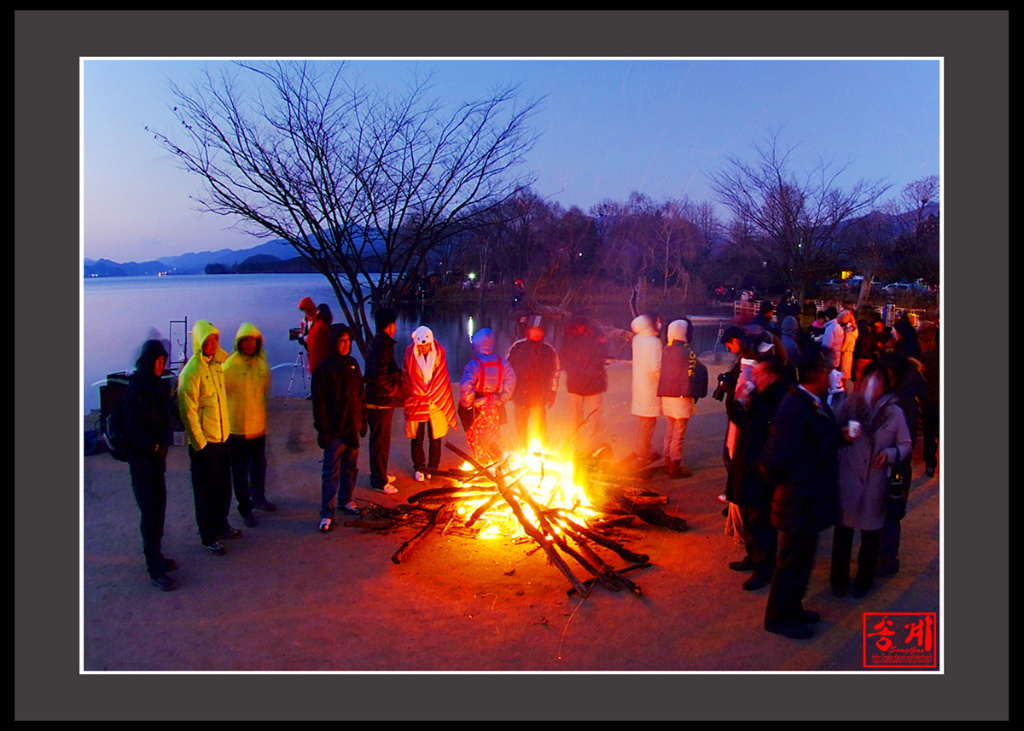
(287, 598)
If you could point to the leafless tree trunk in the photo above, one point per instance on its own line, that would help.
(364, 184)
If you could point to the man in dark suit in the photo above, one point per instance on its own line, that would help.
(801, 460)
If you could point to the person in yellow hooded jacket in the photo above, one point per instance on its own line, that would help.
(203, 403)
(247, 378)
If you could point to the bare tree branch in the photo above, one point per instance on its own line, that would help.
(363, 183)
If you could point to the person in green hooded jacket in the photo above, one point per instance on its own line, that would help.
(203, 403)
(247, 378)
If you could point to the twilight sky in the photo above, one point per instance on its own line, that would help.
(607, 127)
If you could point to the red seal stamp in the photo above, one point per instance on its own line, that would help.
(901, 640)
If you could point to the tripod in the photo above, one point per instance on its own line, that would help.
(301, 364)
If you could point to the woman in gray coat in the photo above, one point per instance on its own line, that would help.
(877, 436)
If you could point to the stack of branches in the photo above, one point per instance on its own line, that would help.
(559, 531)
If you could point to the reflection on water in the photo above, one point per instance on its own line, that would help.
(119, 314)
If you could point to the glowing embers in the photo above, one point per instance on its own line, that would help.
(537, 481)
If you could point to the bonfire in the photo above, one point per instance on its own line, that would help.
(570, 508)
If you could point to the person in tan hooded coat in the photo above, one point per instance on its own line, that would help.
(247, 378)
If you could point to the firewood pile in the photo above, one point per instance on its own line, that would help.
(576, 519)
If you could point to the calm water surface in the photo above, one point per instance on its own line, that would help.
(120, 313)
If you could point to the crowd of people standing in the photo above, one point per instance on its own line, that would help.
(822, 425)
(820, 415)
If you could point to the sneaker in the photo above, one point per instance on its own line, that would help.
(250, 521)
(325, 525)
(215, 548)
(419, 476)
(351, 508)
(163, 582)
(266, 507)
(232, 533)
(722, 498)
(389, 489)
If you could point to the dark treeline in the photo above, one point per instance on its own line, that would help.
(676, 247)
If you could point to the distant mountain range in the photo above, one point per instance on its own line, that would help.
(271, 256)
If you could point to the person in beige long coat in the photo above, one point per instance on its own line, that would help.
(646, 404)
(849, 322)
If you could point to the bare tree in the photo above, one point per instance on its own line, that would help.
(870, 241)
(920, 254)
(801, 218)
(363, 183)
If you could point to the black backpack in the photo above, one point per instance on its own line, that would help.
(114, 434)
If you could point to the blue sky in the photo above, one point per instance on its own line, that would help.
(607, 127)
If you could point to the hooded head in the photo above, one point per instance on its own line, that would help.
(845, 317)
(422, 335)
(483, 341)
(790, 326)
(642, 325)
(151, 350)
(202, 331)
(308, 306)
(679, 331)
(423, 339)
(248, 330)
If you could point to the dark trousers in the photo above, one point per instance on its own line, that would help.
(419, 460)
(379, 423)
(248, 471)
(338, 476)
(842, 551)
(889, 550)
(762, 539)
(792, 573)
(150, 490)
(211, 489)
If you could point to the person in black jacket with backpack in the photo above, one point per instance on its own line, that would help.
(148, 428)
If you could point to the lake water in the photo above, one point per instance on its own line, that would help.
(120, 313)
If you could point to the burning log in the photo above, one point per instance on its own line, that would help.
(527, 525)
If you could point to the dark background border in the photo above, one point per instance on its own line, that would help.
(975, 46)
